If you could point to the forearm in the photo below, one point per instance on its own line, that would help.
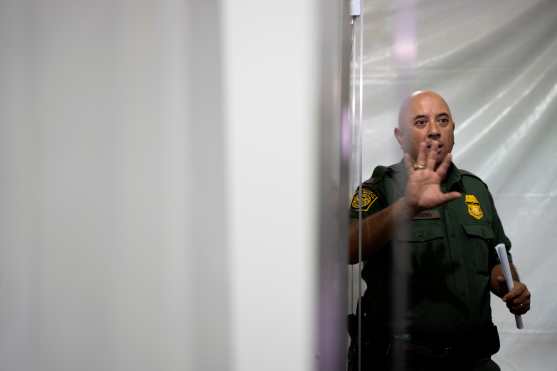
(377, 230)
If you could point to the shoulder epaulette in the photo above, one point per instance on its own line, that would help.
(470, 174)
(377, 176)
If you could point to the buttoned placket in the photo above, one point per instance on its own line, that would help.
(456, 250)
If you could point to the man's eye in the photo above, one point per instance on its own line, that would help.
(420, 123)
(444, 121)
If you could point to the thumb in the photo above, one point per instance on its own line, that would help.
(454, 195)
(451, 196)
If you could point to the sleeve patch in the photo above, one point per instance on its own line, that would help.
(367, 199)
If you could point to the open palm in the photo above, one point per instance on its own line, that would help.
(423, 190)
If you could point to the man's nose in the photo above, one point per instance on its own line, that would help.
(434, 133)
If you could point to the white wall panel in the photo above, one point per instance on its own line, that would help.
(272, 109)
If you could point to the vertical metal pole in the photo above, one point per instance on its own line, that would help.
(334, 152)
(356, 80)
(404, 51)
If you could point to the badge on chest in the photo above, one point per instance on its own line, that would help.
(474, 208)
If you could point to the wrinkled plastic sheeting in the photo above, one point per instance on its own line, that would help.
(496, 65)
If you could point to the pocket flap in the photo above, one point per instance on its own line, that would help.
(479, 230)
(422, 234)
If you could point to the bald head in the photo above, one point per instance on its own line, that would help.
(425, 117)
(415, 99)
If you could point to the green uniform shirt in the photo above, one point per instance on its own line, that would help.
(451, 253)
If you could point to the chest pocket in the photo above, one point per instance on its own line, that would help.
(424, 234)
(421, 232)
(425, 241)
(480, 238)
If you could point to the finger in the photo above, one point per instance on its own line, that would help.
(514, 293)
(409, 163)
(444, 166)
(519, 301)
(451, 196)
(523, 299)
(422, 153)
(432, 156)
(509, 297)
(519, 307)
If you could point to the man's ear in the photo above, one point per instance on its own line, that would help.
(399, 136)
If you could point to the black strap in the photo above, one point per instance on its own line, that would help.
(478, 343)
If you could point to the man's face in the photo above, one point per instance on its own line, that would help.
(425, 117)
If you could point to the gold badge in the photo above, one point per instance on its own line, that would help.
(368, 198)
(474, 208)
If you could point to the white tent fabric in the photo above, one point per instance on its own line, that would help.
(495, 63)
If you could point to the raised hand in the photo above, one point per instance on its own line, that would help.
(423, 190)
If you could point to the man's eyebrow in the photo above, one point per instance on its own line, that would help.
(420, 117)
(443, 114)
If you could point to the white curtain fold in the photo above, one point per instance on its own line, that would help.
(495, 62)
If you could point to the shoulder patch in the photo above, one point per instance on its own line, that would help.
(368, 197)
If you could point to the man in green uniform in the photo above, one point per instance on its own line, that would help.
(428, 224)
